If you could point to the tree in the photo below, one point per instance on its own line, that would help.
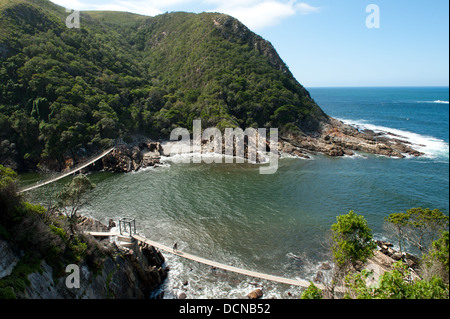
(420, 227)
(72, 91)
(74, 195)
(352, 240)
(397, 222)
(8, 191)
(440, 250)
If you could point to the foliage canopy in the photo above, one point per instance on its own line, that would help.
(352, 239)
(420, 227)
(121, 74)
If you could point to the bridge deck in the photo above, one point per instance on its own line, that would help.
(295, 282)
(288, 281)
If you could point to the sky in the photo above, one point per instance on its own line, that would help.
(329, 43)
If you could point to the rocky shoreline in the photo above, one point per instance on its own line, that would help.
(336, 138)
(137, 272)
(383, 260)
(140, 270)
(333, 138)
(126, 158)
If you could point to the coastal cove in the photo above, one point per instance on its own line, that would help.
(277, 223)
(168, 151)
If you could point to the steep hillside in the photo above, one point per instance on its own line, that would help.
(37, 244)
(120, 74)
(67, 92)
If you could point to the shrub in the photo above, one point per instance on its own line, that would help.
(312, 292)
(396, 284)
(436, 263)
(352, 240)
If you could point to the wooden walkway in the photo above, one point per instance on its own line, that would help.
(288, 281)
(70, 172)
(294, 282)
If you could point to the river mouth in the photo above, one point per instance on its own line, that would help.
(229, 213)
(279, 223)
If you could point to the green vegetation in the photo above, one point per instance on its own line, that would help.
(440, 252)
(312, 292)
(352, 240)
(63, 90)
(418, 226)
(74, 195)
(17, 281)
(42, 235)
(396, 284)
(352, 245)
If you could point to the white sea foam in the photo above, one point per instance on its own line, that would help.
(355, 155)
(199, 281)
(431, 146)
(440, 102)
(264, 158)
(194, 157)
(434, 102)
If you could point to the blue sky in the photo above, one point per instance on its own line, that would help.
(326, 42)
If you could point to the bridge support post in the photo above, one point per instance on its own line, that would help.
(127, 226)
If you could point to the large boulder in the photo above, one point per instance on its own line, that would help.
(119, 160)
(126, 158)
(255, 294)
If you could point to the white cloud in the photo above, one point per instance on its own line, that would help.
(140, 7)
(256, 14)
(135, 6)
(305, 8)
(261, 14)
(70, 4)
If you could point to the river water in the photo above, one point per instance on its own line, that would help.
(278, 224)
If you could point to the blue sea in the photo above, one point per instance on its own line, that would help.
(279, 224)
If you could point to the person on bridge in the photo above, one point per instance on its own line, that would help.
(175, 247)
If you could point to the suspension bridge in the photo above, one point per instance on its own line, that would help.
(128, 237)
(133, 238)
(74, 170)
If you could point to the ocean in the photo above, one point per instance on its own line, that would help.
(279, 224)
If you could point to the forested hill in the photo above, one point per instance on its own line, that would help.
(65, 89)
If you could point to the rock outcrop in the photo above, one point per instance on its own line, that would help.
(338, 139)
(120, 278)
(334, 138)
(383, 260)
(125, 158)
(124, 273)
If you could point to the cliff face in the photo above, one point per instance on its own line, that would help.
(132, 274)
(111, 272)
